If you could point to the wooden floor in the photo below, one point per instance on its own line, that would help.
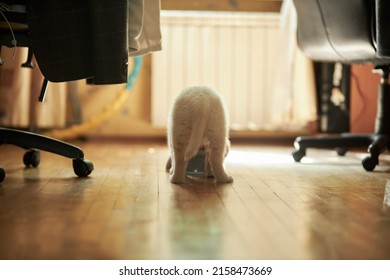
(326, 207)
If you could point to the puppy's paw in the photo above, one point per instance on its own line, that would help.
(225, 180)
(176, 179)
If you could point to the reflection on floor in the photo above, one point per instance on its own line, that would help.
(326, 207)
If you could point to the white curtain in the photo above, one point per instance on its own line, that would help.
(294, 87)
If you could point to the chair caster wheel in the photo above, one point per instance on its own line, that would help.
(369, 163)
(298, 155)
(341, 151)
(32, 158)
(82, 167)
(2, 174)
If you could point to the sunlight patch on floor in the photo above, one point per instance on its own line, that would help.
(312, 157)
(254, 158)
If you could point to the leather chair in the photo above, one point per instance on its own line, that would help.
(14, 32)
(350, 32)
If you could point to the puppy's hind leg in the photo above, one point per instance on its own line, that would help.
(179, 166)
(216, 158)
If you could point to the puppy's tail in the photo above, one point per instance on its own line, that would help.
(199, 123)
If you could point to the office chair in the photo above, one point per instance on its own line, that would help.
(348, 31)
(14, 33)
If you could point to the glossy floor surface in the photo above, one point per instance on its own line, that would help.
(326, 207)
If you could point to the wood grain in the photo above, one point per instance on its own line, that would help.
(326, 207)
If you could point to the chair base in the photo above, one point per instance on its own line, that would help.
(376, 143)
(34, 142)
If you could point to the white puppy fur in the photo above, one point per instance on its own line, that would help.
(198, 118)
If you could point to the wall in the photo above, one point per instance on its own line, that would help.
(223, 5)
(364, 88)
(133, 117)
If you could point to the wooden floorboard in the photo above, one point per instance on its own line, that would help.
(326, 207)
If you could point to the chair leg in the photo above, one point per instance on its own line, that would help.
(27, 140)
(377, 143)
(341, 143)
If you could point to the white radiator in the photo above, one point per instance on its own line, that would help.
(235, 53)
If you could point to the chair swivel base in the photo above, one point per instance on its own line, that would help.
(376, 143)
(35, 142)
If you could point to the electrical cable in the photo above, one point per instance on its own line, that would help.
(77, 130)
(6, 8)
